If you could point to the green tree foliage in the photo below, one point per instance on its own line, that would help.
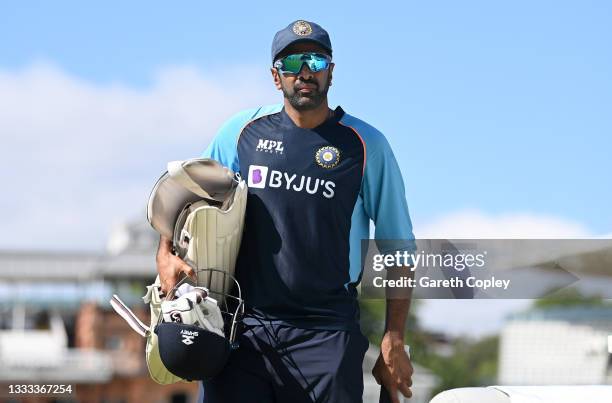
(569, 297)
(473, 363)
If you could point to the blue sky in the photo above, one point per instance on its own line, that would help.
(497, 107)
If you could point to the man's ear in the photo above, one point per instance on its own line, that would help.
(276, 78)
(331, 70)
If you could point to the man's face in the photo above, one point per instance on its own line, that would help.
(305, 90)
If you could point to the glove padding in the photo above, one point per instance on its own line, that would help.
(194, 307)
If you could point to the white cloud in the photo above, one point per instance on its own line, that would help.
(473, 224)
(77, 156)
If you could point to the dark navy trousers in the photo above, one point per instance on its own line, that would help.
(283, 364)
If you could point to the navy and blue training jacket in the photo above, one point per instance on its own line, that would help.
(312, 194)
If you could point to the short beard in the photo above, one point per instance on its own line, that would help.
(302, 103)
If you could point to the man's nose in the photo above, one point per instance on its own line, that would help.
(305, 72)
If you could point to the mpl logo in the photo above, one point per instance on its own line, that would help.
(270, 146)
(261, 176)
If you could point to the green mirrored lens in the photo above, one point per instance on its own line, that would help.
(315, 62)
(293, 63)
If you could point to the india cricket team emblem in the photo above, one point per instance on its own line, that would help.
(302, 28)
(327, 157)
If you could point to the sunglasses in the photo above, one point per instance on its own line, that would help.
(292, 64)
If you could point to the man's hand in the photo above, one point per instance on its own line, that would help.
(170, 267)
(393, 369)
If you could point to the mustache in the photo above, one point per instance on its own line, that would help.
(302, 84)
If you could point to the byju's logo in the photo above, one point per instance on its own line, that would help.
(259, 178)
(270, 146)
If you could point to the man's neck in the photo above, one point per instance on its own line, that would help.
(308, 119)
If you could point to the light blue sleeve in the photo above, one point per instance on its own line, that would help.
(382, 190)
(224, 146)
(384, 195)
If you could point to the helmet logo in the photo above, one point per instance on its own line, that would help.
(188, 336)
(302, 28)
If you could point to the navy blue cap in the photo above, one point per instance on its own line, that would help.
(190, 352)
(300, 31)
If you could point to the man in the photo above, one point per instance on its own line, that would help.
(316, 177)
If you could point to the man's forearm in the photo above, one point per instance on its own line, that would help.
(393, 370)
(165, 247)
(398, 303)
(397, 312)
